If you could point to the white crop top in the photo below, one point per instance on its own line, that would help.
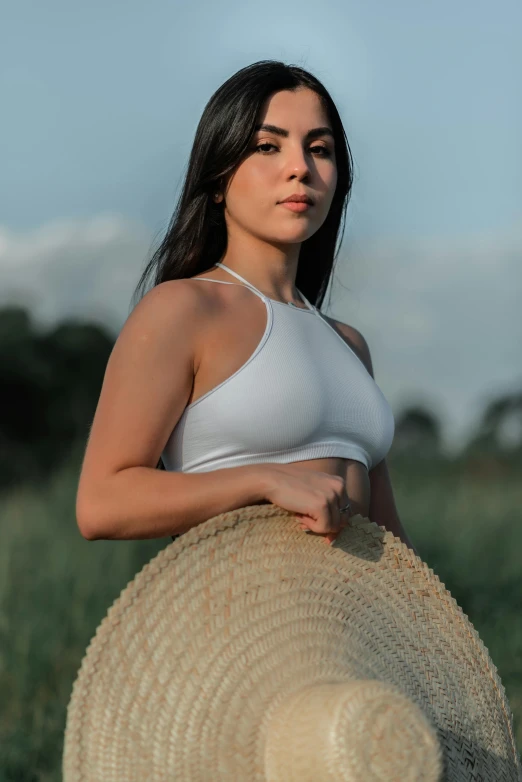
(302, 394)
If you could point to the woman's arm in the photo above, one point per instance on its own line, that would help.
(382, 503)
(147, 384)
(383, 510)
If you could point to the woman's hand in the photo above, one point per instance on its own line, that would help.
(315, 497)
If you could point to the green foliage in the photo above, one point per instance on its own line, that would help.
(55, 588)
(49, 387)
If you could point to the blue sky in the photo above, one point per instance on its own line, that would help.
(100, 104)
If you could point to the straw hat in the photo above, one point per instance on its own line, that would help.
(247, 650)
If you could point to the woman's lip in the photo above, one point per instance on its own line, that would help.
(296, 206)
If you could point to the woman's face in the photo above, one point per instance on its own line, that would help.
(277, 166)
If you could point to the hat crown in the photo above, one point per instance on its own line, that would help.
(355, 731)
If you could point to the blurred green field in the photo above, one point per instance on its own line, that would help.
(56, 587)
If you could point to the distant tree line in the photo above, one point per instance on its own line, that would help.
(49, 386)
(50, 382)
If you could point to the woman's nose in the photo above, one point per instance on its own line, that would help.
(298, 165)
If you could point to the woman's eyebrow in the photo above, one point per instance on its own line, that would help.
(313, 133)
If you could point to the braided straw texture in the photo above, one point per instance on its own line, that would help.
(233, 651)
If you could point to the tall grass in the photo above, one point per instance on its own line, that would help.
(56, 587)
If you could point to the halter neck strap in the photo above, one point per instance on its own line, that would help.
(249, 284)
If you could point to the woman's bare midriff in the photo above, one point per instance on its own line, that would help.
(230, 325)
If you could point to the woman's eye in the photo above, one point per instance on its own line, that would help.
(260, 146)
(325, 152)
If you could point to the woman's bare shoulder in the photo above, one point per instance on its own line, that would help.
(354, 339)
(170, 301)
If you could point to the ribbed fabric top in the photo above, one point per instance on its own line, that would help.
(302, 394)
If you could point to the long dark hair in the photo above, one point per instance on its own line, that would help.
(196, 237)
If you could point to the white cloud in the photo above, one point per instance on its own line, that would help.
(83, 268)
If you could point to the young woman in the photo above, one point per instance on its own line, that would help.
(226, 368)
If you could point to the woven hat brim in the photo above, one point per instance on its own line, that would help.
(184, 672)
